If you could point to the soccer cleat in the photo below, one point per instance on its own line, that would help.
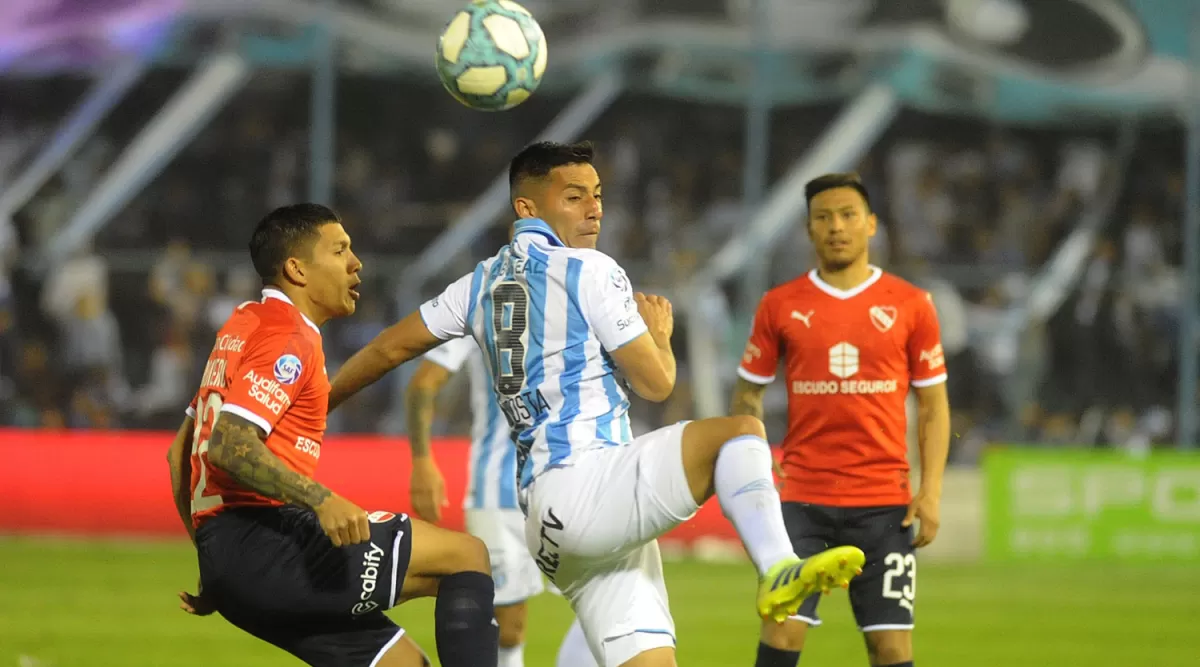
(786, 585)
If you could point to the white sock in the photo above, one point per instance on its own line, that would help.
(574, 651)
(746, 490)
(512, 657)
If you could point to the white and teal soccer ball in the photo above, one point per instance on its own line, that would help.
(492, 55)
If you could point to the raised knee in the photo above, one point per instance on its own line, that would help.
(747, 425)
(472, 555)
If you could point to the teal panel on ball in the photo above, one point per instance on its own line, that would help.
(481, 59)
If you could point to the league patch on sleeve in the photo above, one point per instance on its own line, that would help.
(288, 369)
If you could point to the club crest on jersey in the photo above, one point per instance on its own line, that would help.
(287, 369)
(380, 517)
(883, 317)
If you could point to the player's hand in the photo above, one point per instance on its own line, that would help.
(657, 313)
(198, 604)
(780, 475)
(344, 522)
(925, 508)
(427, 489)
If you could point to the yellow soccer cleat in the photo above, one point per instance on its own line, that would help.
(786, 585)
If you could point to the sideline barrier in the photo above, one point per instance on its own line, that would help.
(116, 483)
(1092, 505)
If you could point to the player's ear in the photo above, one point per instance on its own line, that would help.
(525, 207)
(293, 271)
(872, 224)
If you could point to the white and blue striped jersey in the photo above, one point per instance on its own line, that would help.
(492, 473)
(546, 318)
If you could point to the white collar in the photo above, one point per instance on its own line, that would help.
(844, 294)
(273, 293)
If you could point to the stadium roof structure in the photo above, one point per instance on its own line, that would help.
(1014, 60)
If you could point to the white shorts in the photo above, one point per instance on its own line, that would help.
(592, 528)
(517, 577)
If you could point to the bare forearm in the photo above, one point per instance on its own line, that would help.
(180, 463)
(419, 412)
(360, 371)
(181, 474)
(933, 438)
(237, 448)
(747, 399)
(667, 356)
(406, 340)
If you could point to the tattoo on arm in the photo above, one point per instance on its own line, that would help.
(237, 448)
(748, 399)
(420, 419)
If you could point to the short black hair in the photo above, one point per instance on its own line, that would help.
(833, 181)
(537, 160)
(282, 232)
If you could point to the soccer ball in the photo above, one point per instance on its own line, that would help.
(492, 55)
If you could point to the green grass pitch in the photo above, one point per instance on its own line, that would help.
(67, 603)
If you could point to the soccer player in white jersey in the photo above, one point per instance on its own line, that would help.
(492, 512)
(564, 334)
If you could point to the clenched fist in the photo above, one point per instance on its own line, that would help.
(656, 312)
(344, 522)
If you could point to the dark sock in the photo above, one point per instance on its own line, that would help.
(900, 664)
(465, 625)
(769, 656)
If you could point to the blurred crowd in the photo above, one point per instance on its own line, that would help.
(115, 337)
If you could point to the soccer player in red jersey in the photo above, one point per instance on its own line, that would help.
(852, 340)
(281, 556)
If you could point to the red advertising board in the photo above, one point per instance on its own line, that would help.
(118, 483)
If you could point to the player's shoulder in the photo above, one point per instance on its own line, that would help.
(594, 267)
(272, 320)
(590, 259)
(902, 291)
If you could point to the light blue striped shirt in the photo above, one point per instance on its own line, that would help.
(492, 472)
(546, 318)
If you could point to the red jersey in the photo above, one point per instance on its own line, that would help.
(267, 367)
(850, 356)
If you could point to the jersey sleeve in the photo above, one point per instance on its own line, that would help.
(606, 299)
(452, 354)
(445, 315)
(272, 373)
(926, 360)
(761, 356)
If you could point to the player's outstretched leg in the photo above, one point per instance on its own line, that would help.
(454, 567)
(729, 456)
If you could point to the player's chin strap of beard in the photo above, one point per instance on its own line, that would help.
(466, 631)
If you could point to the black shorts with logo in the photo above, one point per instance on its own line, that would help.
(883, 596)
(273, 572)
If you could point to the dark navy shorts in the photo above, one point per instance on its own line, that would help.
(883, 596)
(273, 572)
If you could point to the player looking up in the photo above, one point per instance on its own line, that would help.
(281, 556)
(559, 323)
(852, 339)
(492, 513)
